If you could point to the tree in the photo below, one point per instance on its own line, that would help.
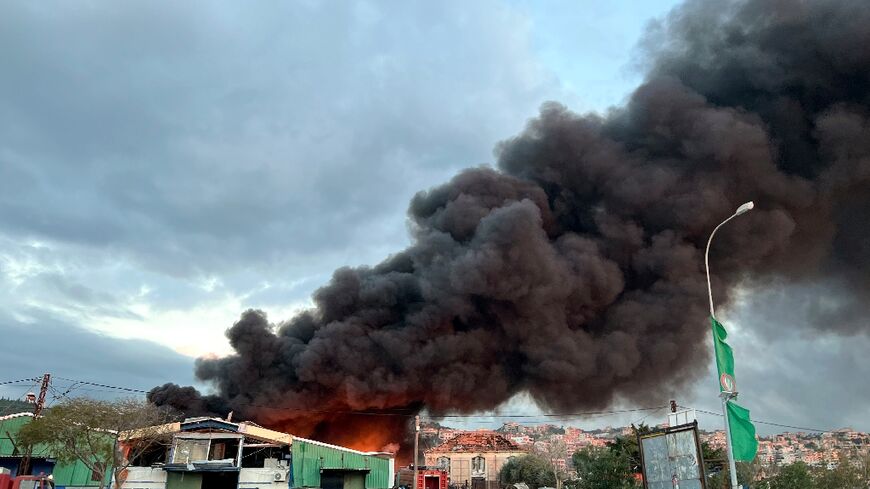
(715, 459)
(532, 469)
(555, 452)
(794, 476)
(603, 468)
(87, 430)
(627, 445)
(845, 476)
(862, 465)
(746, 472)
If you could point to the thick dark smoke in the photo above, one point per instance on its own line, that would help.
(574, 271)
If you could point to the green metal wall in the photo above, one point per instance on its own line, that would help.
(309, 458)
(75, 474)
(176, 480)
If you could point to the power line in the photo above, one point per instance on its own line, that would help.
(95, 384)
(552, 415)
(404, 413)
(410, 413)
(769, 423)
(30, 379)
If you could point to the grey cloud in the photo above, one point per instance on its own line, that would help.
(51, 344)
(201, 137)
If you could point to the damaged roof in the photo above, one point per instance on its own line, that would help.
(247, 428)
(477, 441)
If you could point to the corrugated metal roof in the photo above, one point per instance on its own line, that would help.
(16, 415)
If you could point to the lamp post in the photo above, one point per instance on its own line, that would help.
(416, 447)
(726, 395)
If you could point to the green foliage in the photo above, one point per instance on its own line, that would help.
(531, 469)
(800, 476)
(86, 430)
(627, 446)
(746, 472)
(715, 459)
(845, 476)
(794, 476)
(10, 406)
(604, 468)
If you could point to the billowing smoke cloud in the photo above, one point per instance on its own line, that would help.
(574, 271)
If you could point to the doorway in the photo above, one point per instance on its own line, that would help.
(220, 480)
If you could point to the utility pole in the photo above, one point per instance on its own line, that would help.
(416, 446)
(40, 401)
(24, 465)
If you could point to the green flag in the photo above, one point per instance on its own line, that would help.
(743, 440)
(724, 357)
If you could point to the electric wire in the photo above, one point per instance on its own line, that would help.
(409, 413)
(19, 380)
(11, 406)
(769, 423)
(96, 384)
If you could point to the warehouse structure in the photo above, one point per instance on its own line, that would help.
(213, 453)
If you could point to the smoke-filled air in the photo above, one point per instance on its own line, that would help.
(574, 270)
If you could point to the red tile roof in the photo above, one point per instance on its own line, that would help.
(477, 441)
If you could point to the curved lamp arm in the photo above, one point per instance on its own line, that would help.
(740, 210)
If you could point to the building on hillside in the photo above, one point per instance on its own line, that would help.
(473, 459)
(66, 476)
(212, 453)
(522, 440)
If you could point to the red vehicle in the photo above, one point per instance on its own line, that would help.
(26, 482)
(427, 478)
(431, 479)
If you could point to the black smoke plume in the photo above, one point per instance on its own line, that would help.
(574, 271)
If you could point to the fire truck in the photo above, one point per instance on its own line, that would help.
(25, 481)
(427, 478)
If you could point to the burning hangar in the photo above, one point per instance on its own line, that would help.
(213, 453)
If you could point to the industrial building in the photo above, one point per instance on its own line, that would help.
(213, 453)
(66, 476)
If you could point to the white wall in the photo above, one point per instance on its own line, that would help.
(145, 478)
(263, 478)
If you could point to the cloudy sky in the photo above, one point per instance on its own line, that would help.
(164, 167)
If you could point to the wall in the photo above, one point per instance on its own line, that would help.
(263, 478)
(181, 480)
(460, 463)
(145, 478)
(156, 478)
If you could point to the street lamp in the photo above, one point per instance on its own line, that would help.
(726, 396)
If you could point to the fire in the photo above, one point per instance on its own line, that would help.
(359, 431)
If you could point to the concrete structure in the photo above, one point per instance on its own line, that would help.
(212, 453)
(474, 458)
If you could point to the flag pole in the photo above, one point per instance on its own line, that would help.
(731, 465)
(726, 396)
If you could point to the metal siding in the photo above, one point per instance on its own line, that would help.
(75, 474)
(307, 464)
